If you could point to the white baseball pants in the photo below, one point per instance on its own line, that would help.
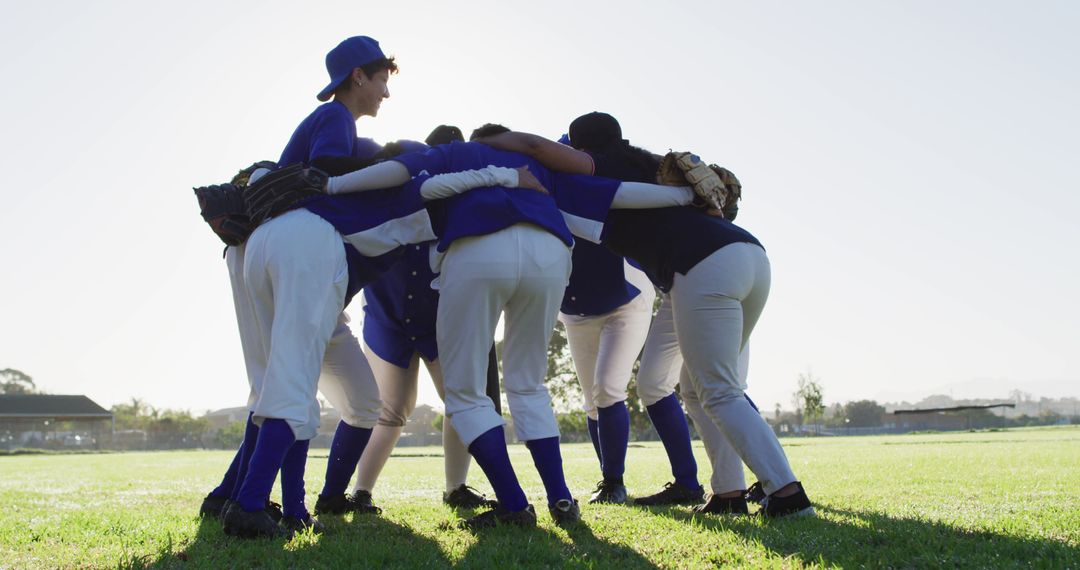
(346, 379)
(605, 347)
(295, 274)
(522, 270)
(715, 307)
(661, 368)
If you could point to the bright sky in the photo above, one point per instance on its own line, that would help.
(908, 165)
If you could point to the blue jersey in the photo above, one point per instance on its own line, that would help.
(376, 226)
(400, 310)
(330, 130)
(577, 205)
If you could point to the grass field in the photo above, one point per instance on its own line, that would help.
(980, 500)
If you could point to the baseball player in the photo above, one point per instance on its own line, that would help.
(359, 71)
(717, 277)
(507, 252)
(606, 310)
(399, 332)
(301, 269)
(620, 333)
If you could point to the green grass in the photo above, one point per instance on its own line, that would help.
(979, 500)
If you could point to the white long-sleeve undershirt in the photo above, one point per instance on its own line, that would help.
(638, 195)
(391, 173)
(446, 185)
(383, 175)
(630, 195)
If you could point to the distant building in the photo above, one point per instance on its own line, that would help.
(938, 421)
(219, 419)
(48, 421)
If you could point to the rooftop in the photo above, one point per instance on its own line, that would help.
(50, 406)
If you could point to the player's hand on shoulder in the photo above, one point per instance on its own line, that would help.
(527, 180)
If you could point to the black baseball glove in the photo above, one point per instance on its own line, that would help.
(283, 190)
(223, 207)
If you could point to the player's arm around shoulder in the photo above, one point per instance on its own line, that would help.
(549, 153)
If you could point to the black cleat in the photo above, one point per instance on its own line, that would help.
(525, 518)
(565, 511)
(468, 498)
(213, 506)
(358, 502)
(673, 494)
(274, 510)
(797, 505)
(609, 492)
(361, 503)
(259, 524)
(755, 494)
(293, 525)
(723, 506)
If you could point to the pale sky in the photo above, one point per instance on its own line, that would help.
(908, 166)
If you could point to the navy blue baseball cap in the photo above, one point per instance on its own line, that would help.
(354, 52)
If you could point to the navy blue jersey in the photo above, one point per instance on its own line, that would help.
(666, 241)
(577, 205)
(330, 130)
(400, 310)
(662, 241)
(597, 283)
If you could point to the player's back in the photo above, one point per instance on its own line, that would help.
(486, 210)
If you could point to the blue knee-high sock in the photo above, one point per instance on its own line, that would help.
(594, 435)
(229, 481)
(275, 439)
(489, 451)
(548, 461)
(247, 448)
(345, 451)
(292, 480)
(670, 422)
(614, 424)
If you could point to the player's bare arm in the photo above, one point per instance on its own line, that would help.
(551, 154)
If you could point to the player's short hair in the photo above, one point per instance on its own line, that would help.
(444, 134)
(399, 147)
(369, 70)
(487, 130)
(380, 64)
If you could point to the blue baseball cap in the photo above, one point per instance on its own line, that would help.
(354, 52)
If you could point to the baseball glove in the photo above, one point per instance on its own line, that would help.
(222, 206)
(242, 177)
(681, 168)
(734, 191)
(283, 190)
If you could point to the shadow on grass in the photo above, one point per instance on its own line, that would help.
(853, 538)
(358, 541)
(513, 547)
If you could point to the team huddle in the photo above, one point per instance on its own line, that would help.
(444, 237)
